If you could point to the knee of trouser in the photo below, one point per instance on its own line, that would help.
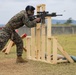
(19, 43)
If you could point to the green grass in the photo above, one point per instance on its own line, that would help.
(68, 42)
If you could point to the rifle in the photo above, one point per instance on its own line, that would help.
(44, 14)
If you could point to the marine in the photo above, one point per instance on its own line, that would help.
(17, 21)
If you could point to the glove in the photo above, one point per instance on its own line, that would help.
(38, 20)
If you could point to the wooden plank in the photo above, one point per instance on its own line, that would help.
(49, 34)
(40, 5)
(43, 43)
(38, 38)
(48, 40)
(54, 51)
(60, 61)
(43, 38)
(64, 53)
(9, 47)
(28, 46)
(33, 43)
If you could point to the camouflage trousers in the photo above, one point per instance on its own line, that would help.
(6, 34)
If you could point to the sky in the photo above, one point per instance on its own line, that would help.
(8, 8)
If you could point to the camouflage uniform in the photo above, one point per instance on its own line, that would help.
(8, 32)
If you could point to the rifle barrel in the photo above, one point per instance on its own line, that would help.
(54, 15)
(59, 15)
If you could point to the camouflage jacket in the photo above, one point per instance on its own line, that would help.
(19, 20)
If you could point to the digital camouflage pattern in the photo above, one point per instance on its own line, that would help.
(8, 32)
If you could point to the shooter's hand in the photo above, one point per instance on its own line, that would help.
(38, 20)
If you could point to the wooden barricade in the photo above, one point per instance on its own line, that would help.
(40, 46)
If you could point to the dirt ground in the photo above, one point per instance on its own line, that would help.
(10, 67)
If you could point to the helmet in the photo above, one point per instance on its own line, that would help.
(29, 7)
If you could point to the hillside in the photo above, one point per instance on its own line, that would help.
(61, 21)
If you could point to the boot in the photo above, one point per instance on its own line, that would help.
(20, 60)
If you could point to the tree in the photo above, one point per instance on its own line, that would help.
(69, 21)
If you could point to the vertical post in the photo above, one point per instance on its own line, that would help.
(54, 51)
(28, 46)
(48, 40)
(38, 42)
(43, 37)
(33, 46)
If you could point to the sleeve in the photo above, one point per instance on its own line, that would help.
(29, 23)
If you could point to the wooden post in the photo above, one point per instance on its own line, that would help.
(48, 40)
(28, 46)
(33, 45)
(38, 38)
(43, 38)
(54, 51)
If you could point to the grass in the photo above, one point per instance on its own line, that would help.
(9, 67)
(68, 42)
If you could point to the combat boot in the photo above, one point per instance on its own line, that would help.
(20, 60)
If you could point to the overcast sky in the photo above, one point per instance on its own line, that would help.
(9, 8)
